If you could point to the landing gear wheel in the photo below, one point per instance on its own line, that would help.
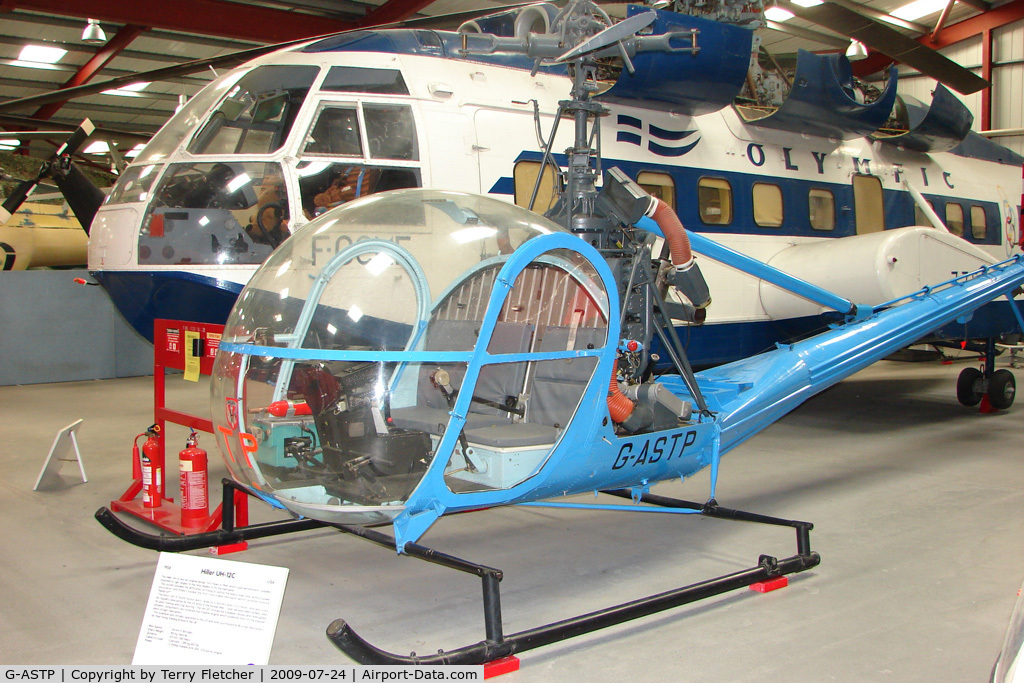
(1001, 389)
(965, 387)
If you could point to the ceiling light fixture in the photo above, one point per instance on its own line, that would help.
(777, 14)
(41, 54)
(918, 9)
(98, 147)
(856, 51)
(93, 33)
(130, 90)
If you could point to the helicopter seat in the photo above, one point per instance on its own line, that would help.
(557, 385)
(498, 384)
(554, 393)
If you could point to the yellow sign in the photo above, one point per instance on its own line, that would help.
(191, 360)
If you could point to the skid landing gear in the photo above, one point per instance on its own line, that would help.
(496, 645)
(974, 385)
(228, 534)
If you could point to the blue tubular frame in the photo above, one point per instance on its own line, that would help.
(323, 278)
(748, 395)
(773, 383)
(613, 508)
(432, 498)
(763, 271)
(959, 279)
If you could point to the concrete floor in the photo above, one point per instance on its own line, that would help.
(918, 506)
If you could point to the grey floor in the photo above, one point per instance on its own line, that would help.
(918, 506)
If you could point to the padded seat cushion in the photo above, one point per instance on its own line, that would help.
(519, 435)
(435, 420)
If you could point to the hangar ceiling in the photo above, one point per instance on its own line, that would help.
(142, 36)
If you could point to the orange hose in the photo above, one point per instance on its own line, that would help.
(675, 234)
(619, 405)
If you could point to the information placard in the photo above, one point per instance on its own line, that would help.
(204, 610)
(65, 445)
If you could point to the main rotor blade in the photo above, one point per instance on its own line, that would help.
(232, 59)
(160, 74)
(891, 43)
(17, 198)
(58, 131)
(75, 140)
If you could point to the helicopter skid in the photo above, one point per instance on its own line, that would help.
(227, 535)
(497, 646)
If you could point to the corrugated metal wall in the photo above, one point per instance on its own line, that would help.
(1008, 83)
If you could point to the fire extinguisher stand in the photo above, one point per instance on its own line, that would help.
(174, 343)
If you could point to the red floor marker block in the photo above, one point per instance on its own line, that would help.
(229, 548)
(986, 406)
(770, 585)
(505, 665)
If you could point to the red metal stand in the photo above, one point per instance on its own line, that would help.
(170, 350)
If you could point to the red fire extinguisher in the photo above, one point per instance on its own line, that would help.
(195, 505)
(152, 467)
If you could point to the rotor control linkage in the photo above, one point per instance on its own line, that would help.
(497, 646)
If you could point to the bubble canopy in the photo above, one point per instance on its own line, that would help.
(411, 345)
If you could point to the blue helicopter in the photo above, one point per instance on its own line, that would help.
(458, 353)
(484, 363)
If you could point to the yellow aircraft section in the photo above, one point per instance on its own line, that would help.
(42, 235)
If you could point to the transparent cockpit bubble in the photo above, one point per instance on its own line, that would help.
(315, 393)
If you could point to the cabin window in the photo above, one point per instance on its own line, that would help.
(821, 205)
(524, 176)
(323, 186)
(714, 201)
(256, 115)
(133, 185)
(767, 204)
(335, 132)
(187, 120)
(390, 132)
(979, 224)
(658, 185)
(867, 204)
(360, 79)
(920, 217)
(955, 218)
(215, 213)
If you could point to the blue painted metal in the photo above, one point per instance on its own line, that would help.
(899, 206)
(775, 276)
(977, 146)
(613, 508)
(745, 396)
(684, 83)
(752, 393)
(142, 297)
(936, 128)
(822, 102)
(1016, 313)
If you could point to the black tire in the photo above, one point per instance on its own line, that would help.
(965, 383)
(1002, 387)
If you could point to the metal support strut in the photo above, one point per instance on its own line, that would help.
(496, 645)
